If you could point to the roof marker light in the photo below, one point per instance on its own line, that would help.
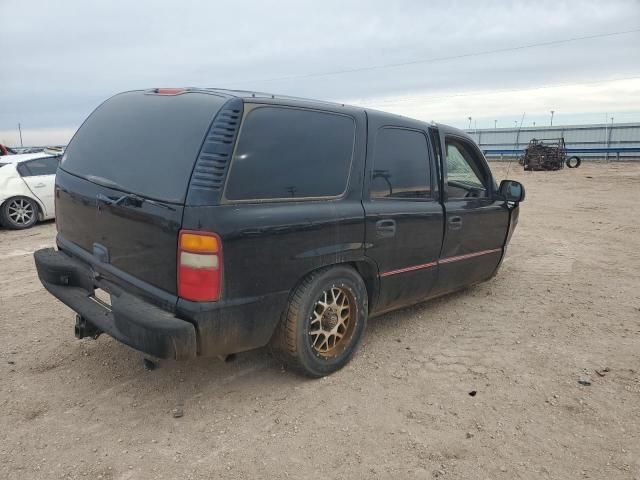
(169, 91)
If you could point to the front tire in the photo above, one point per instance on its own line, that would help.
(324, 322)
(19, 213)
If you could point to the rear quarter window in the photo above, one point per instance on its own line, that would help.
(287, 153)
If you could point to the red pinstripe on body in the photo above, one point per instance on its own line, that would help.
(469, 255)
(457, 258)
(409, 269)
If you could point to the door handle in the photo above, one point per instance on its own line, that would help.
(39, 185)
(455, 223)
(386, 228)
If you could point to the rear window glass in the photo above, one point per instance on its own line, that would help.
(291, 153)
(143, 144)
(400, 165)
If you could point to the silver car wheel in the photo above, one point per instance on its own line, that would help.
(20, 211)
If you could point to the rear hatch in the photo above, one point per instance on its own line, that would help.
(123, 181)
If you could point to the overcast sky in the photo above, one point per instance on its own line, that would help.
(60, 59)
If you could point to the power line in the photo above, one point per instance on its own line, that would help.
(452, 57)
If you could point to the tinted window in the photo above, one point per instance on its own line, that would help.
(40, 166)
(143, 144)
(400, 165)
(291, 153)
(465, 174)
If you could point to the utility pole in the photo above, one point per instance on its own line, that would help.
(20, 131)
(609, 140)
(469, 122)
(552, 112)
(495, 124)
(618, 152)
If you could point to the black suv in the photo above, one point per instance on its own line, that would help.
(207, 222)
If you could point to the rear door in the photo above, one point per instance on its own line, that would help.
(39, 175)
(123, 181)
(403, 216)
(476, 221)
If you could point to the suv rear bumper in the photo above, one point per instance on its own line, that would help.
(187, 330)
(130, 319)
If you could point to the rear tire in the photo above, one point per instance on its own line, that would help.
(323, 323)
(19, 213)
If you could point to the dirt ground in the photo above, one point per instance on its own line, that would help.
(565, 306)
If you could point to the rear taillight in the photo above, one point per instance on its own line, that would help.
(199, 266)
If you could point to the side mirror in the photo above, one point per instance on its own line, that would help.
(511, 191)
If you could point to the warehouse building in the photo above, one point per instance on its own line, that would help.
(607, 142)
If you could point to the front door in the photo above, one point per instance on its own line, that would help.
(476, 222)
(403, 217)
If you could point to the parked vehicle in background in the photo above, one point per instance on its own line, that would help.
(4, 150)
(547, 154)
(26, 189)
(207, 222)
(51, 150)
(24, 150)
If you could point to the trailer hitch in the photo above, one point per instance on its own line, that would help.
(83, 328)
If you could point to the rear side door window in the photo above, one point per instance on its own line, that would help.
(466, 175)
(400, 165)
(291, 153)
(39, 167)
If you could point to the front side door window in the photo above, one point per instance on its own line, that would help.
(466, 176)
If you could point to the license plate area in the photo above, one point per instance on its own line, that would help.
(102, 297)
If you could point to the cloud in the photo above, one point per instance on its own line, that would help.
(568, 101)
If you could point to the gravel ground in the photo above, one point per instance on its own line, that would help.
(564, 307)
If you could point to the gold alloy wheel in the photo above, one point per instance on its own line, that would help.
(332, 322)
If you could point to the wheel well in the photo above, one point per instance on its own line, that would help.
(369, 274)
(40, 210)
(366, 270)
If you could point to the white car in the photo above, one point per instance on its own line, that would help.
(26, 188)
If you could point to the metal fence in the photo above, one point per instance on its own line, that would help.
(590, 142)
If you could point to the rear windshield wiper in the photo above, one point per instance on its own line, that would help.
(132, 200)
